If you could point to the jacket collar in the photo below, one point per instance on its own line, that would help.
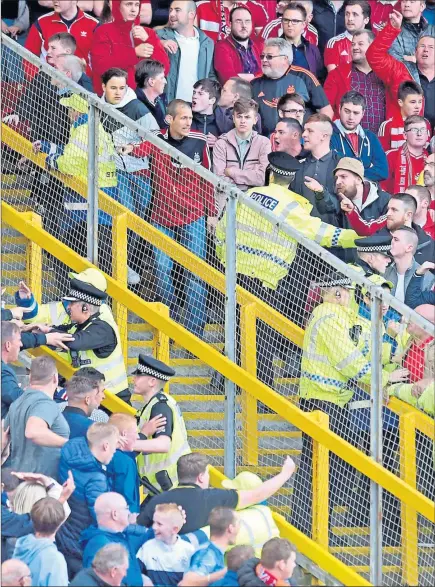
(80, 14)
(359, 129)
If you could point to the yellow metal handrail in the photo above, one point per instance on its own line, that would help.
(123, 217)
(252, 386)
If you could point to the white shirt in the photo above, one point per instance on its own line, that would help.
(400, 289)
(188, 71)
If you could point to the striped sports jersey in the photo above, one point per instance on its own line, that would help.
(274, 29)
(338, 50)
(392, 133)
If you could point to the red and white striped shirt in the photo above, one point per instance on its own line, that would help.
(381, 10)
(274, 29)
(392, 132)
(338, 50)
(214, 18)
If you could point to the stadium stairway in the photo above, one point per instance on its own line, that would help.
(203, 408)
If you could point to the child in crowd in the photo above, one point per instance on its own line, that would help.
(166, 557)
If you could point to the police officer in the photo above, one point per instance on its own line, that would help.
(96, 336)
(265, 254)
(331, 360)
(160, 451)
(374, 253)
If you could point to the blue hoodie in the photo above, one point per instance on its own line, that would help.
(46, 563)
(91, 480)
(133, 537)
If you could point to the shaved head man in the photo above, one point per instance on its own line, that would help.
(15, 573)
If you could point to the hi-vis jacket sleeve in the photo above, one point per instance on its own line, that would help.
(425, 402)
(342, 353)
(74, 159)
(324, 234)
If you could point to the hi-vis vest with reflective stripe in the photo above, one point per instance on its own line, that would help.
(257, 526)
(113, 367)
(151, 464)
(330, 358)
(264, 251)
(51, 313)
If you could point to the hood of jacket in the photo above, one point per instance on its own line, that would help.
(27, 548)
(130, 95)
(117, 16)
(247, 576)
(95, 532)
(76, 454)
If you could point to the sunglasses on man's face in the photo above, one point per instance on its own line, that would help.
(268, 56)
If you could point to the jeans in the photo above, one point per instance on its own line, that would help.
(12, 64)
(134, 192)
(193, 237)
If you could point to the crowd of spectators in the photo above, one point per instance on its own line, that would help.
(328, 104)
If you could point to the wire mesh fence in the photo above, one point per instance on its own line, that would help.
(302, 322)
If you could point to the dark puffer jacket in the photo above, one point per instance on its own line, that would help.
(91, 481)
(247, 576)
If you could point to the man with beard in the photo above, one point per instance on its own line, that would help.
(238, 54)
(363, 203)
(428, 178)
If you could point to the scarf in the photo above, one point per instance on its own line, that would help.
(267, 577)
(224, 28)
(405, 169)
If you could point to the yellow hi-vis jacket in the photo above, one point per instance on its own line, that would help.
(257, 526)
(113, 366)
(330, 358)
(264, 251)
(150, 464)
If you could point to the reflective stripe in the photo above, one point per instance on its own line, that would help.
(275, 240)
(52, 307)
(363, 371)
(359, 405)
(151, 468)
(335, 237)
(325, 380)
(266, 520)
(348, 360)
(244, 525)
(79, 144)
(321, 233)
(263, 255)
(115, 380)
(75, 206)
(287, 209)
(30, 308)
(115, 363)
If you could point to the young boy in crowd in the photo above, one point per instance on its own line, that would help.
(410, 100)
(166, 557)
(205, 96)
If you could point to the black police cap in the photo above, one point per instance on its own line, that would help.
(374, 244)
(154, 368)
(85, 292)
(283, 163)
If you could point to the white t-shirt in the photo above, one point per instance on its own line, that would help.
(188, 71)
(400, 289)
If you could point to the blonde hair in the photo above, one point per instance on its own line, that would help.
(101, 432)
(26, 495)
(172, 511)
(122, 421)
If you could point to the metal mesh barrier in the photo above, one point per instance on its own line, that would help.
(303, 323)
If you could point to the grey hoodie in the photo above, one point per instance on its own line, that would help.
(137, 111)
(47, 565)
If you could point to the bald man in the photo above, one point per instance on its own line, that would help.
(15, 573)
(113, 520)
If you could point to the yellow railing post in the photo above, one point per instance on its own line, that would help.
(161, 342)
(408, 473)
(248, 329)
(320, 484)
(34, 260)
(119, 260)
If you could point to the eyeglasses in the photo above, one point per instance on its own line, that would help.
(293, 21)
(269, 57)
(293, 111)
(417, 131)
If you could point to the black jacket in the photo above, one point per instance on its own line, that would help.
(247, 576)
(88, 578)
(158, 109)
(99, 336)
(205, 123)
(86, 82)
(327, 22)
